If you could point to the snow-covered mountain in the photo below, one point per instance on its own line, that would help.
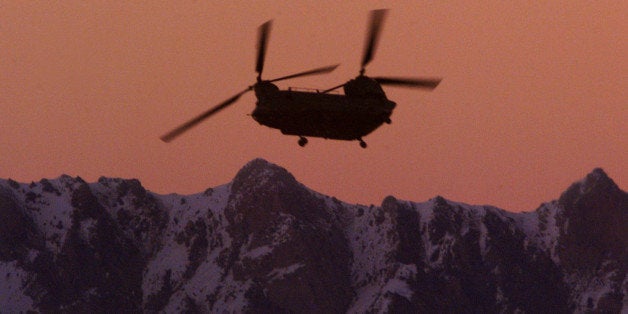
(266, 243)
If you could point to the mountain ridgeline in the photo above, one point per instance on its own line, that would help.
(264, 243)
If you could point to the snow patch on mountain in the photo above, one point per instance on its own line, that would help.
(48, 203)
(541, 227)
(281, 273)
(588, 293)
(13, 280)
(258, 252)
(170, 269)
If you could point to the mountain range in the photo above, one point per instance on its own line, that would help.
(265, 243)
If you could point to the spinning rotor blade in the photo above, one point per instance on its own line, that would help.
(376, 20)
(322, 70)
(409, 82)
(264, 32)
(188, 125)
(333, 88)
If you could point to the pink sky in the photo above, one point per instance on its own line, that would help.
(534, 96)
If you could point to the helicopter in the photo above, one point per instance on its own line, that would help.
(327, 114)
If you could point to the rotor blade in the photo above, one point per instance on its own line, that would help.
(333, 88)
(262, 41)
(376, 20)
(188, 125)
(322, 70)
(430, 83)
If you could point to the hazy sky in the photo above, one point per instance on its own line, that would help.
(533, 97)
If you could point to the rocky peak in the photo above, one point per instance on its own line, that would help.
(588, 204)
(274, 222)
(261, 173)
(255, 193)
(592, 219)
(262, 191)
(594, 184)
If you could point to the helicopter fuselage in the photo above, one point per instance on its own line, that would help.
(358, 112)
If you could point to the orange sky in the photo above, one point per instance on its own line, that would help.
(534, 96)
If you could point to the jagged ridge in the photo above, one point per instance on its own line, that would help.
(266, 243)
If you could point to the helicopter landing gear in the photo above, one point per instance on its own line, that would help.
(302, 141)
(362, 143)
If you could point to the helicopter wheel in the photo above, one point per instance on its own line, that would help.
(302, 141)
(362, 143)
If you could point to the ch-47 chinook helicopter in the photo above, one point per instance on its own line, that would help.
(350, 116)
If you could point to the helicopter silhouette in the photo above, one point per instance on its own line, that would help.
(362, 108)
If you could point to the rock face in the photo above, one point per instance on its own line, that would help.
(593, 241)
(266, 243)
